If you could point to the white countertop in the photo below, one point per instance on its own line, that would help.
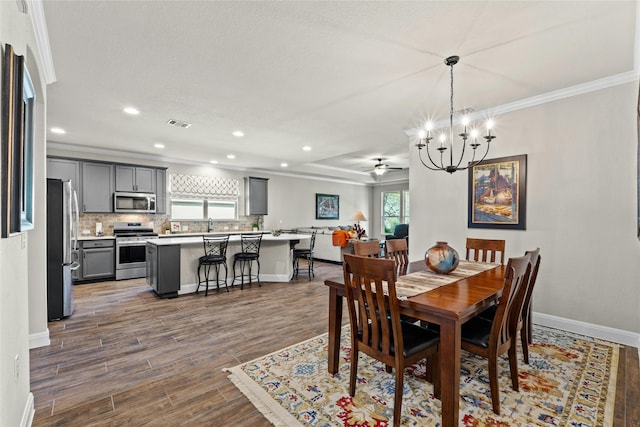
(90, 237)
(234, 237)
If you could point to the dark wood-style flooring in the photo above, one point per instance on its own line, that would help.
(126, 357)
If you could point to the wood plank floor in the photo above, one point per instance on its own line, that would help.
(126, 357)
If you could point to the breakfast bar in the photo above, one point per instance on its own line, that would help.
(179, 257)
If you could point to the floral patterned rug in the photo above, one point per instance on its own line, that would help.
(570, 381)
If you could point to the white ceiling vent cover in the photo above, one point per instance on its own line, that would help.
(178, 123)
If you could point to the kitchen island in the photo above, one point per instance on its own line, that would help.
(172, 262)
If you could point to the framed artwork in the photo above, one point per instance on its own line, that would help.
(12, 142)
(498, 193)
(327, 206)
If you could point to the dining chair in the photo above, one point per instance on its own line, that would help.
(485, 250)
(523, 324)
(304, 253)
(376, 328)
(397, 250)
(215, 254)
(524, 320)
(369, 248)
(492, 338)
(250, 251)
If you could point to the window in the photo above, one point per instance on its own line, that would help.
(395, 210)
(201, 209)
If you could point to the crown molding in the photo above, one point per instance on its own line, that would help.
(42, 40)
(164, 159)
(568, 92)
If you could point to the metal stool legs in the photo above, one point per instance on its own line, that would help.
(246, 263)
(207, 269)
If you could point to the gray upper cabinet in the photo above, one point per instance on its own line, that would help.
(257, 196)
(97, 187)
(135, 179)
(161, 191)
(65, 169)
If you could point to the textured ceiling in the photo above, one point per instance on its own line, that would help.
(346, 78)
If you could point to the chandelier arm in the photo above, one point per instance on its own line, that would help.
(472, 163)
(464, 145)
(436, 168)
(434, 163)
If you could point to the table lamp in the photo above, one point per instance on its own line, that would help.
(358, 216)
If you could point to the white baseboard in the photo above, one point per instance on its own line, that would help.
(40, 339)
(596, 331)
(191, 287)
(28, 413)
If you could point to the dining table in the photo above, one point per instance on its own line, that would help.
(448, 300)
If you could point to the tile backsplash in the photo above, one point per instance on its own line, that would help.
(88, 223)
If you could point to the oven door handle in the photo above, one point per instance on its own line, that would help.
(136, 243)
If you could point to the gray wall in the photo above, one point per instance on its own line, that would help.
(581, 205)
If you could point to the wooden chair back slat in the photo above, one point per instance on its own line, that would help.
(485, 250)
(368, 249)
(398, 251)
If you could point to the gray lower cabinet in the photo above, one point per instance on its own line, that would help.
(97, 259)
(97, 187)
(163, 269)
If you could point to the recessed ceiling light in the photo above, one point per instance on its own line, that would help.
(238, 133)
(231, 156)
(132, 111)
(306, 148)
(158, 145)
(58, 130)
(284, 165)
(213, 162)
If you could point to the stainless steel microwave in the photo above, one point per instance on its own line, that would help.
(134, 202)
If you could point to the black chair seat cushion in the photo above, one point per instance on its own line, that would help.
(415, 338)
(246, 256)
(212, 259)
(489, 313)
(301, 252)
(477, 331)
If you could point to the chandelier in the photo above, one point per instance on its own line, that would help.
(445, 144)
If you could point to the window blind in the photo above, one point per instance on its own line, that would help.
(203, 187)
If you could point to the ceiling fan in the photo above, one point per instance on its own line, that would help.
(381, 168)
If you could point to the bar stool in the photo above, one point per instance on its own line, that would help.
(304, 253)
(250, 252)
(215, 254)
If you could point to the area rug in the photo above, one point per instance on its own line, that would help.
(571, 381)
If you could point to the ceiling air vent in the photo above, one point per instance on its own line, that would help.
(178, 123)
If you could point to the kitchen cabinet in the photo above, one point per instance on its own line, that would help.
(66, 170)
(97, 259)
(161, 191)
(135, 179)
(163, 269)
(256, 196)
(97, 187)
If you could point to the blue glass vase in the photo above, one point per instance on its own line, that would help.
(441, 258)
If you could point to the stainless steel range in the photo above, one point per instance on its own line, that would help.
(131, 241)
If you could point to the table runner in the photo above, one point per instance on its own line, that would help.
(427, 280)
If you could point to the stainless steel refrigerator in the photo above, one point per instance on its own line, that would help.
(62, 245)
